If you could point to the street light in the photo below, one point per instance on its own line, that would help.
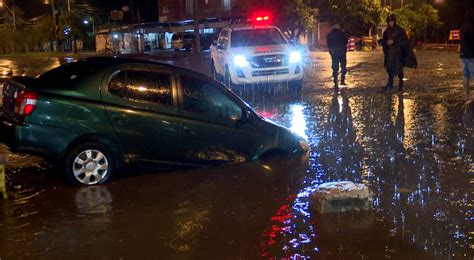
(10, 10)
(90, 21)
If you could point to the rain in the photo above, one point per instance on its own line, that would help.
(413, 149)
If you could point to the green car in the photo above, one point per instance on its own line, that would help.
(101, 113)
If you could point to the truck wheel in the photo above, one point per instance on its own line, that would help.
(214, 73)
(296, 86)
(88, 164)
(227, 78)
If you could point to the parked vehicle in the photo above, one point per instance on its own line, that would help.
(185, 41)
(98, 114)
(247, 54)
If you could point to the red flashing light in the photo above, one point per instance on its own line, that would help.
(261, 17)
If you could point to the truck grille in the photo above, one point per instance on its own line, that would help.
(269, 61)
(269, 72)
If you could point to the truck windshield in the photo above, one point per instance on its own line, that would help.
(257, 37)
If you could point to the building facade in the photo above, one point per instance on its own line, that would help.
(179, 10)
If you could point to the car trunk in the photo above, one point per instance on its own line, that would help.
(11, 88)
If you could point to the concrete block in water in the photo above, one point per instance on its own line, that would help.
(341, 196)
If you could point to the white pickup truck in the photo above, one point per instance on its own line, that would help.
(252, 54)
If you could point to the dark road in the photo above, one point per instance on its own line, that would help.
(415, 150)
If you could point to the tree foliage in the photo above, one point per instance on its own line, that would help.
(295, 16)
(27, 36)
(72, 27)
(357, 17)
(417, 18)
(37, 34)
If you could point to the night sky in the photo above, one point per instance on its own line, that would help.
(451, 11)
(148, 8)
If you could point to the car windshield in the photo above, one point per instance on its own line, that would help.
(176, 37)
(257, 37)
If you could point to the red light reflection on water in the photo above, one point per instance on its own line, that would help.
(280, 222)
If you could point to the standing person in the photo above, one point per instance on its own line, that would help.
(394, 42)
(467, 50)
(337, 41)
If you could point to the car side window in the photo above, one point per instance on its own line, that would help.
(203, 97)
(148, 86)
(224, 38)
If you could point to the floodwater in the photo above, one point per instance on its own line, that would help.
(413, 149)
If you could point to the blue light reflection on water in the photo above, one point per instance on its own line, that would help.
(407, 160)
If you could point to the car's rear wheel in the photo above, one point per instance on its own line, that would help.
(88, 164)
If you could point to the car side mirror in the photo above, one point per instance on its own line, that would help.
(220, 46)
(246, 116)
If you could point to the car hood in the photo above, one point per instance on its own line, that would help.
(275, 136)
(263, 50)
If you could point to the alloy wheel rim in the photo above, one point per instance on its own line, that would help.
(90, 167)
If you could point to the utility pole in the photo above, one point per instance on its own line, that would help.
(56, 23)
(74, 41)
(197, 40)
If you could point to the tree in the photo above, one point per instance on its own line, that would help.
(356, 16)
(417, 19)
(72, 28)
(295, 17)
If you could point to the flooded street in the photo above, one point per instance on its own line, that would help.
(414, 149)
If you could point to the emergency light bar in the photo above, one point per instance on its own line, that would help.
(261, 18)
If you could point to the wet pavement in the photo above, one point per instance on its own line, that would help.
(413, 149)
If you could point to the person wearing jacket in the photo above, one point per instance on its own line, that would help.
(467, 51)
(395, 47)
(337, 41)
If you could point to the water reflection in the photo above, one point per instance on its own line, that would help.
(298, 120)
(415, 153)
(411, 154)
(94, 203)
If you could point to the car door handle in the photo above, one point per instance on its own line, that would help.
(120, 118)
(189, 131)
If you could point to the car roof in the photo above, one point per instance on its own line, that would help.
(102, 62)
(109, 60)
(238, 27)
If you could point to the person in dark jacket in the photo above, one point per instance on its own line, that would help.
(395, 45)
(467, 51)
(337, 41)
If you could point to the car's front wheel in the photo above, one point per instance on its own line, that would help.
(214, 73)
(227, 78)
(89, 164)
(296, 86)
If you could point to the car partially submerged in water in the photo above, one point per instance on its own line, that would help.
(96, 115)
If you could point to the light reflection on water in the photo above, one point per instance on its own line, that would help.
(411, 153)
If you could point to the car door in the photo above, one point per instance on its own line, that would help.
(142, 107)
(221, 50)
(214, 126)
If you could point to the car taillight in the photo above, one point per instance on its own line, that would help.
(25, 102)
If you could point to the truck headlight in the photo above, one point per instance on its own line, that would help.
(295, 57)
(240, 61)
